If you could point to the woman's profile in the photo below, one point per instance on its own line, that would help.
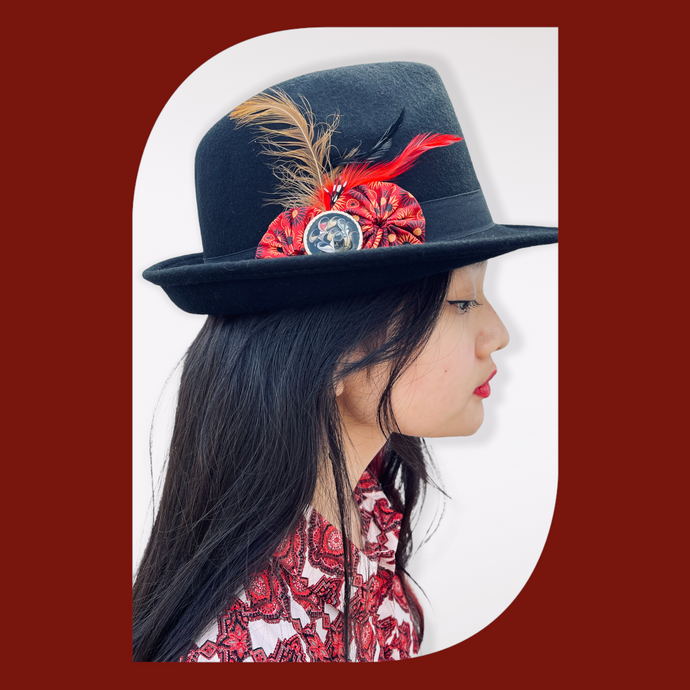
(342, 275)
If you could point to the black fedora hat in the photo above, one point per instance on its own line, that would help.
(384, 104)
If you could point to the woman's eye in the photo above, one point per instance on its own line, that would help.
(465, 305)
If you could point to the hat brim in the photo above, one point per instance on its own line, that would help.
(255, 285)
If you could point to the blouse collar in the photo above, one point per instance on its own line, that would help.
(315, 547)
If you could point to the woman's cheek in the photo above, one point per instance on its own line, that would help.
(458, 366)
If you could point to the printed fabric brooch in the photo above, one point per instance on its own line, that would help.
(333, 205)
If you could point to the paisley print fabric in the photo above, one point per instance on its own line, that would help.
(387, 214)
(293, 609)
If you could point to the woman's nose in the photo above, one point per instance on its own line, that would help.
(494, 335)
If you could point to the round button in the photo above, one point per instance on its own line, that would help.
(332, 231)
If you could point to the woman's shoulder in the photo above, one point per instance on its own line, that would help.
(267, 621)
(255, 626)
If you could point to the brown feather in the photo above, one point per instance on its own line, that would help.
(288, 134)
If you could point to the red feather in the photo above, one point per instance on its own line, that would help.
(322, 199)
(363, 173)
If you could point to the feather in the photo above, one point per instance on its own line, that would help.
(300, 148)
(375, 153)
(363, 173)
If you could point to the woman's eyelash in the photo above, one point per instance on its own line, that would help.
(465, 305)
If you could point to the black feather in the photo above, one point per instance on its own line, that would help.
(376, 152)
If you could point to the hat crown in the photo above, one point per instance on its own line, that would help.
(234, 182)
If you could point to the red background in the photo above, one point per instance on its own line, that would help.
(86, 82)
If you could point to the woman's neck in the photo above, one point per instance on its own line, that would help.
(361, 444)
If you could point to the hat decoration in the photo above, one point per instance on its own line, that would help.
(334, 205)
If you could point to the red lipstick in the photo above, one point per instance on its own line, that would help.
(484, 391)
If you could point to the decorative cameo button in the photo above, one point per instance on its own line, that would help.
(332, 231)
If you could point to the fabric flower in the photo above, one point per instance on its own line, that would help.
(387, 214)
(284, 234)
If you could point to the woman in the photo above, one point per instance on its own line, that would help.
(341, 331)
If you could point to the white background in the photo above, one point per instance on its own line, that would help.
(502, 481)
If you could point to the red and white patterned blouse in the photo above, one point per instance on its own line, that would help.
(293, 610)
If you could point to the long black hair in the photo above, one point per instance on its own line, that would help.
(256, 418)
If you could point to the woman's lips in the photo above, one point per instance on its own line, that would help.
(484, 391)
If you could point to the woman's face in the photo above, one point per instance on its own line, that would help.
(438, 394)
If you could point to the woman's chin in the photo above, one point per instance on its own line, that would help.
(463, 425)
(472, 425)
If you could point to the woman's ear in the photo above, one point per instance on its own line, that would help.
(342, 362)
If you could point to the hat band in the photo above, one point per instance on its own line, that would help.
(447, 219)
(453, 217)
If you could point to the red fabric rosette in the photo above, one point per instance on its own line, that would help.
(284, 234)
(387, 214)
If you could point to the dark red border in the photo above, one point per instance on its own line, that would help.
(88, 82)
